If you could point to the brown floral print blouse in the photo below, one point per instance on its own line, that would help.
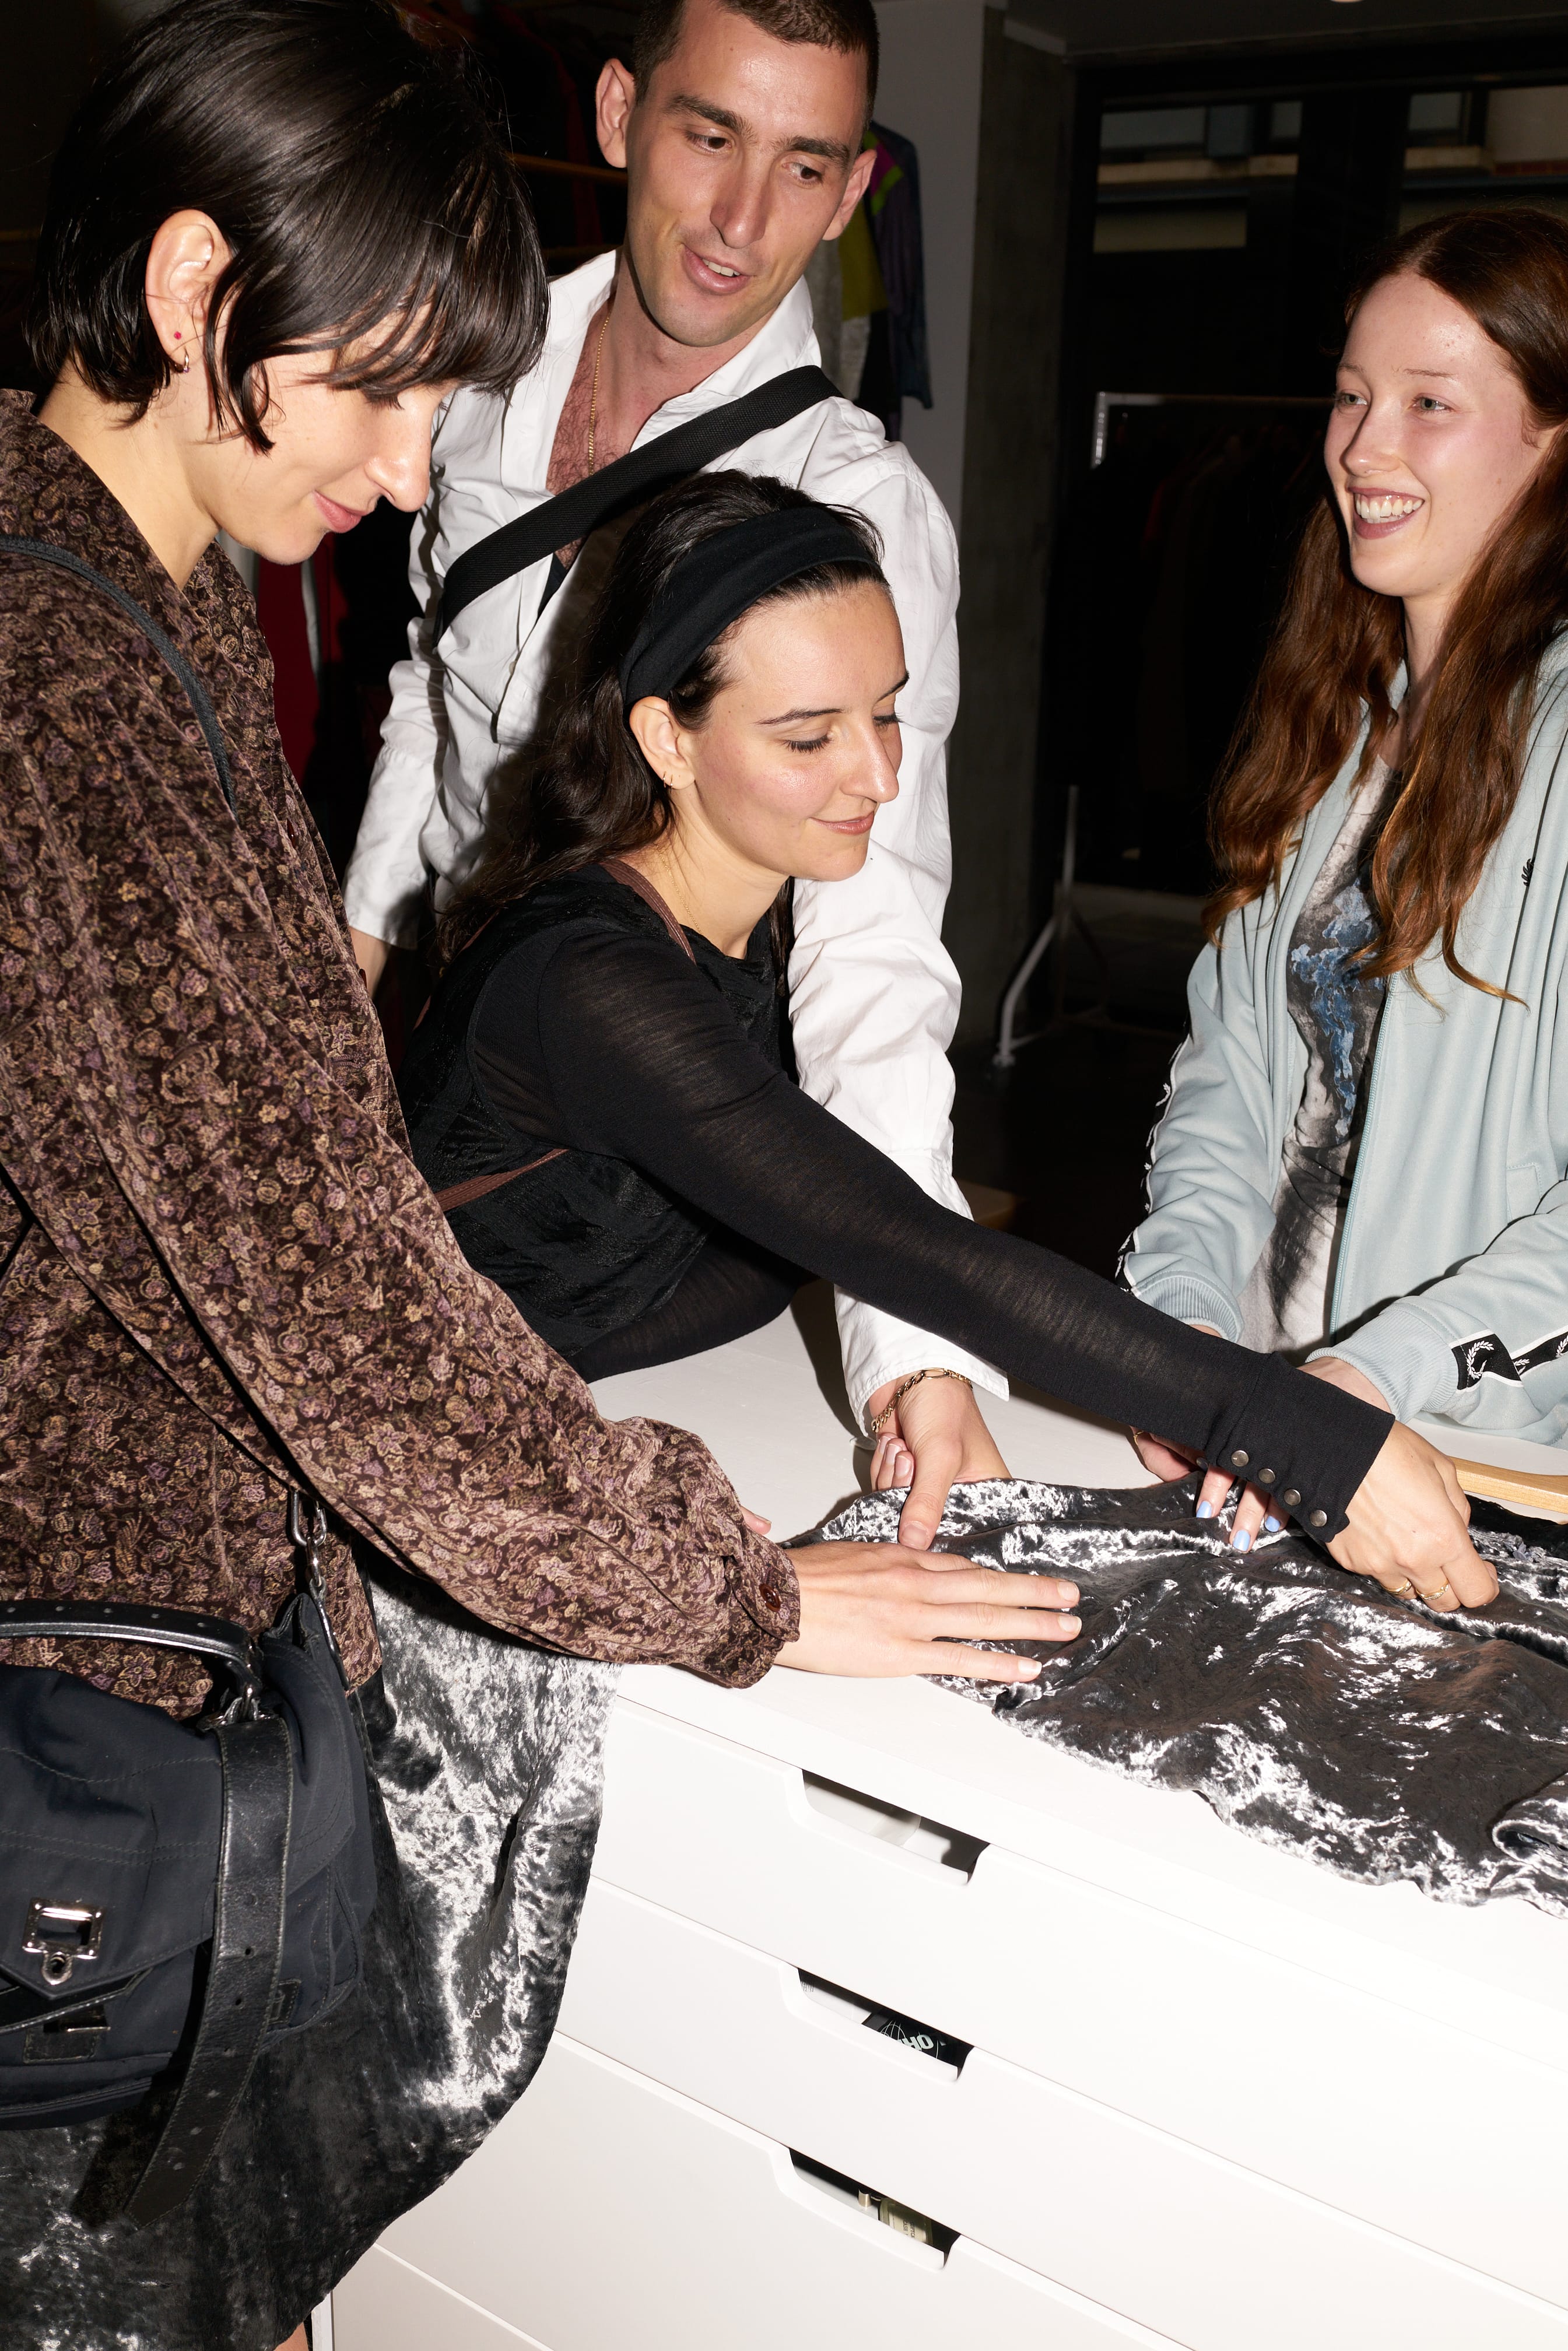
(220, 1272)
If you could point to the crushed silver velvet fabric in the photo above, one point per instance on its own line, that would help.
(1309, 1708)
(486, 1758)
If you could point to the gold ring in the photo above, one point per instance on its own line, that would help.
(1431, 1598)
(1397, 1590)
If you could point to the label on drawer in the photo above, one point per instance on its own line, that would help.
(922, 2037)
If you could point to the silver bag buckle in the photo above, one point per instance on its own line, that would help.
(45, 1922)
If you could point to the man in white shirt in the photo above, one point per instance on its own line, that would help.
(740, 126)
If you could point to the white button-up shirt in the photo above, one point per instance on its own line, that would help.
(874, 995)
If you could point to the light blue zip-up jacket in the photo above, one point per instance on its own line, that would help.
(1451, 1284)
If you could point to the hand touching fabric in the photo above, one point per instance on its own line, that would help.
(879, 1609)
(1407, 1522)
(1256, 1508)
(874, 1609)
(937, 1438)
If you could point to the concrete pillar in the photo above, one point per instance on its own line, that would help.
(1010, 437)
(1349, 178)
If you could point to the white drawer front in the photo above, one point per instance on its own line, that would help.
(1282, 2070)
(384, 2305)
(1124, 2215)
(608, 2214)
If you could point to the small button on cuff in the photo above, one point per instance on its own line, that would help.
(1289, 1497)
(1238, 1459)
(1317, 1518)
(772, 1591)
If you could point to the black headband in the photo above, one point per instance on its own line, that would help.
(723, 578)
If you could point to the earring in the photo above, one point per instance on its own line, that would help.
(183, 367)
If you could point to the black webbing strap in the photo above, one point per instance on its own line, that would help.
(246, 1956)
(563, 520)
(38, 550)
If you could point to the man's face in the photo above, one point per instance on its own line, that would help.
(742, 153)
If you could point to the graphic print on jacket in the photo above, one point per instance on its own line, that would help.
(1336, 1012)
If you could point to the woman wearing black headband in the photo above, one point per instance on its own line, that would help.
(600, 1093)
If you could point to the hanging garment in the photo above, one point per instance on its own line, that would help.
(486, 1782)
(866, 337)
(825, 285)
(1311, 1711)
(893, 211)
(285, 618)
(865, 300)
(304, 612)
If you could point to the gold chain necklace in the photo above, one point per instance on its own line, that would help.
(593, 403)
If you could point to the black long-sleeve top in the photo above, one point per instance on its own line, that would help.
(582, 1029)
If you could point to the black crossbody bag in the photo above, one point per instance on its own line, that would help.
(173, 1895)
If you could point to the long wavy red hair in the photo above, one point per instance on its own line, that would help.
(1335, 654)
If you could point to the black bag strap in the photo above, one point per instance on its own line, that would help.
(247, 1958)
(561, 521)
(213, 1637)
(38, 550)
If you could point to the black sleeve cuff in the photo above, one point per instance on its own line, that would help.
(1304, 1441)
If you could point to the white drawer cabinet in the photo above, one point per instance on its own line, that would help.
(1219, 2045)
(1010, 2161)
(609, 2214)
(385, 2306)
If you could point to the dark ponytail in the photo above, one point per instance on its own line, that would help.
(584, 791)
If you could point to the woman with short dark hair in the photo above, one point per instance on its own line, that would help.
(280, 230)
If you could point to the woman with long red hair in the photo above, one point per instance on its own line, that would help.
(1364, 1144)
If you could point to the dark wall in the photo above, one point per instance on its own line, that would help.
(49, 58)
(48, 63)
(1009, 472)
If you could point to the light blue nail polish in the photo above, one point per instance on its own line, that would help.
(1272, 1526)
(1206, 1509)
(1241, 1540)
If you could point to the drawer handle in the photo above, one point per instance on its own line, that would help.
(918, 2227)
(869, 1816)
(944, 2050)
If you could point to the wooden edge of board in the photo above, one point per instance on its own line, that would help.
(1539, 1489)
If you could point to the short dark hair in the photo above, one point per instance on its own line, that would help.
(848, 26)
(356, 178)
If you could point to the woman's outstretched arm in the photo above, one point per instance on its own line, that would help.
(643, 1062)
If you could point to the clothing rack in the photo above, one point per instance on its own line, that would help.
(1105, 402)
(1066, 915)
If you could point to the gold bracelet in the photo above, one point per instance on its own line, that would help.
(874, 1427)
